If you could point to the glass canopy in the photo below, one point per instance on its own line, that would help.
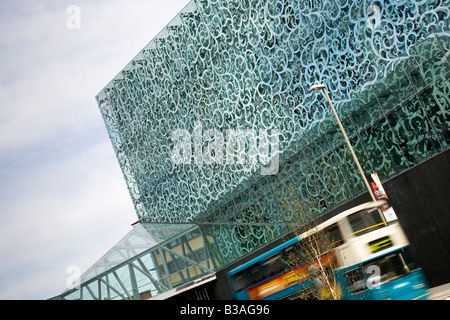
(148, 261)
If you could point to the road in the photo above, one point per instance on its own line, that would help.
(440, 292)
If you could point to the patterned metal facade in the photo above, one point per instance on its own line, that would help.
(247, 66)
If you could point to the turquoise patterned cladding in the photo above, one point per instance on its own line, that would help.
(248, 65)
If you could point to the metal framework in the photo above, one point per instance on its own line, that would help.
(148, 271)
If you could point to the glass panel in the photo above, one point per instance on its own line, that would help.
(391, 267)
(365, 221)
(355, 280)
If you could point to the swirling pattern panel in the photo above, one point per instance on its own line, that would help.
(247, 66)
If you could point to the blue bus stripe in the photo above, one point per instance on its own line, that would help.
(263, 256)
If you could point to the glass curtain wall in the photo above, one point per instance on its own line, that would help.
(226, 67)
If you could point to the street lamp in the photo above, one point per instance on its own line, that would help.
(317, 87)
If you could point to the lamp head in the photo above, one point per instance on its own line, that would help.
(317, 87)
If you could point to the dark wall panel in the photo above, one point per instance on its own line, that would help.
(421, 198)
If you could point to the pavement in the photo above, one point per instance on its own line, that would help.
(440, 292)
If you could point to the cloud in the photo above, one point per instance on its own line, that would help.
(63, 199)
(51, 74)
(70, 209)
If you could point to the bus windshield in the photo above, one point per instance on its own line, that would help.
(392, 266)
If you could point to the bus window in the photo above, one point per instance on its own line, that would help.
(326, 239)
(256, 274)
(366, 221)
(334, 236)
(355, 280)
(409, 259)
(273, 265)
(391, 267)
(240, 281)
(292, 255)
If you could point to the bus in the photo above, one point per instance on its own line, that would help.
(367, 251)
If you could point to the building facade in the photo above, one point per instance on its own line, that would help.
(213, 122)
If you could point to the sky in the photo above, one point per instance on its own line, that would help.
(63, 198)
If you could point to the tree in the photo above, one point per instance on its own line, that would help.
(312, 259)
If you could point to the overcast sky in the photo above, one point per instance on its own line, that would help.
(63, 199)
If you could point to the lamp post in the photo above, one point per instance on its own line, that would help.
(317, 87)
